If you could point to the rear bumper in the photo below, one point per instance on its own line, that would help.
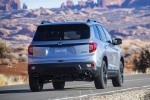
(76, 68)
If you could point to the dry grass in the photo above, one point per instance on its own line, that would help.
(131, 72)
(148, 70)
(23, 58)
(11, 80)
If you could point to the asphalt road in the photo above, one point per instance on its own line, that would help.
(72, 89)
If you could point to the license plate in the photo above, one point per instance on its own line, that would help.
(61, 50)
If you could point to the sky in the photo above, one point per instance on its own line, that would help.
(34, 4)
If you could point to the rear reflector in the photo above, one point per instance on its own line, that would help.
(30, 50)
(31, 67)
(92, 47)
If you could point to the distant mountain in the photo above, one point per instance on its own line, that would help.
(105, 4)
(7, 5)
(135, 3)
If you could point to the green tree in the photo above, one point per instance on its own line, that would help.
(142, 62)
(2, 48)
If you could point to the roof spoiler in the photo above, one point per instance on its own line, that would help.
(45, 22)
(92, 20)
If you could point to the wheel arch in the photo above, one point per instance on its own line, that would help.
(122, 60)
(106, 60)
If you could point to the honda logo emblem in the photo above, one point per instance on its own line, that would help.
(59, 43)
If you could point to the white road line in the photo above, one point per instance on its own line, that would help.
(103, 93)
(108, 82)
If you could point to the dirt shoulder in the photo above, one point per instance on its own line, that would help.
(13, 74)
(142, 94)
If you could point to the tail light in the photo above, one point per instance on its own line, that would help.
(92, 47)
(30, 50)
(90, 65)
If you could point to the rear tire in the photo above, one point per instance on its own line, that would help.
(100, 81)
(59, 84)
(119, 79)
(35, 84)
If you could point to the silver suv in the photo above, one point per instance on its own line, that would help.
(74, 51)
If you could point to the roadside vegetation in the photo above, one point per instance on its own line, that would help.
(137, 60)
(142, 62)
(10, 73)
(10, 56)
(11, 80)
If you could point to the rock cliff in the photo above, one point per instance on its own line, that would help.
(7, 5)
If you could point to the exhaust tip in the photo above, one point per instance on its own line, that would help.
(88, 73)
(35, 75)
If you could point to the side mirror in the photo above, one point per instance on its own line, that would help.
(117, 41)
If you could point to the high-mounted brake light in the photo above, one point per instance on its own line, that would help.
(30, 50)
(92, 47)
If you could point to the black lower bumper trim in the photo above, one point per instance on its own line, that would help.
(61, 68)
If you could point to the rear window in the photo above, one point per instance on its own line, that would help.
(62, 32)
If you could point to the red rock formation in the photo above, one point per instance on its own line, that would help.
(63, 5)
(99, 3)
(81, 3)
(135, 3)
(106, 3)
(24, 6)
(90, 3)
(9, 5)
(69, 3)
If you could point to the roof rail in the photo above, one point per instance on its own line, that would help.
(45, 22)
(92, 20)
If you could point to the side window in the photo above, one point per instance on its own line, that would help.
(96, 32)
(101, 32)
(108, 37)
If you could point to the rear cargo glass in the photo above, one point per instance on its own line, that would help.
(62, 32)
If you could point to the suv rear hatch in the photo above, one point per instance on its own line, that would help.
(60, 42)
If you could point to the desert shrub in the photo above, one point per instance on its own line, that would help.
(2, 48)
(142, 62)
(14, 61)
(6, 62)
(10, 80)
(21, 48)
(10, 55)
(4, 54)
(8, 50)
(23, 58)
(148, 70)
(22, 53)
